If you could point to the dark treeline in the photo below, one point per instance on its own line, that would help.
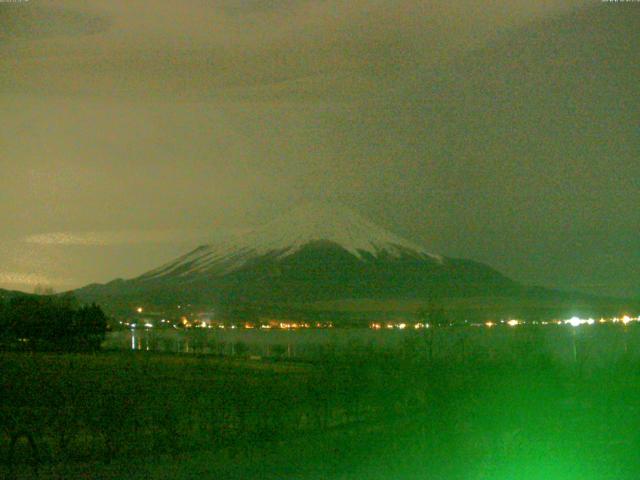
(50, 323)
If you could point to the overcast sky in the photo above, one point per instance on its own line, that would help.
(506, 131)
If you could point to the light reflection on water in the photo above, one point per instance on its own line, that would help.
(590, 344)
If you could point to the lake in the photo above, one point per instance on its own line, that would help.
(595, 344)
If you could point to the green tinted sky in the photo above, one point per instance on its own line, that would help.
(503, 131)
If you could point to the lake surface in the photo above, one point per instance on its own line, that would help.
(595, 344)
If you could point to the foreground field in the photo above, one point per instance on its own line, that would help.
(371, 415)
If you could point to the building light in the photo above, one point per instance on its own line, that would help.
(576, 321)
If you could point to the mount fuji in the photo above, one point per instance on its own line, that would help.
(315, 252)
(310, 225)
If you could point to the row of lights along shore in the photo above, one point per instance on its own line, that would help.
(573, 321)
(286, 325)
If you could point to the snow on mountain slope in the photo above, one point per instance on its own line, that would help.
(290, 232)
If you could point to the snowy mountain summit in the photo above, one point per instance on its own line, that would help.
(308, 224)
(332, 223)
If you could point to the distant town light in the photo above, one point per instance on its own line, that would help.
(139, 309)
(574, 322)
(489, 324)
(513, 323)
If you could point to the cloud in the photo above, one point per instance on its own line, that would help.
(22, 280)
(203, 50)
(125, 237)
(29, 20)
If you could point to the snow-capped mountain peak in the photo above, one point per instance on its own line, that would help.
(330, 222)
(287, 234)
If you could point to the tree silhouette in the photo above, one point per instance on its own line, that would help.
(51, 323)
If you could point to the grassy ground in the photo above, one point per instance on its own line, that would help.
(128, 416)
